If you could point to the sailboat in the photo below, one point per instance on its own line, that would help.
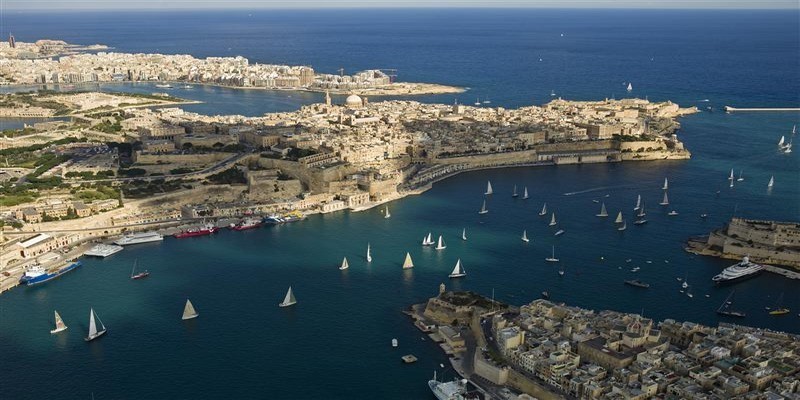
(666, 184)
(369, 254)
(561, 271)
(408, 263)
(665, 200)
(788, 147)
(458, 270)
(603, 212)
(724, 308)
(544, 210)
(771, 181)
(483, 210)
(623, 227)
(478, 101)
(514, 194)
(782, 141)
(553, 219)
(731, 184)
(60, 326)
(638, 203)
(552, 257)
(730, 178)
(794, 129)
(289, 300)
(740, 178)
(386, 213)
(525, 193)
(427, 240)
(464, 234)
(525, 236)
(94, 333)
(552, 93)
(629, 88)
(345, 265)
(619, 219)
(440, 244)
(140, 275)
(640, 220)
(489, 188)
(188, 311)
(779, 309)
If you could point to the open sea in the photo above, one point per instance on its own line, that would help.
(335, 343)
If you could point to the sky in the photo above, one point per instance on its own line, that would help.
(64, 5)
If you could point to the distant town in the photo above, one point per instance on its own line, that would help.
(547, 350)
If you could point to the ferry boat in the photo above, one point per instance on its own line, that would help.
(141, 237)
(247, 223)
(454, 390)
(37, 274)
(273, 219)
(738, 272)
(293, 216)
(637, 283)
(204, 230)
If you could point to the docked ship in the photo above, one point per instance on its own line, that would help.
(141, 237)
(204, 230)
(247, 223)
(38, 274)
(293, 216)
(453, 390)
(738, 272)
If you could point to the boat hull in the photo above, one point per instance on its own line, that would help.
(58, 330)
(737, 279)
(287, 304)
(96, 335)
(50, 276)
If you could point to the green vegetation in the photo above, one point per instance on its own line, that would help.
(295, 153)
(131, 172)
(138, 189)
(16, 199)
(89, 175)
(229, 176)
(178, 171)
(108, 127)
(101, 192)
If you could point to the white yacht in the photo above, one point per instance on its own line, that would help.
(140, 237)
(738, 272)
(453, 390)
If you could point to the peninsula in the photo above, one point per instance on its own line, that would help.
(135, 169)
(547, 350)
(29, 64)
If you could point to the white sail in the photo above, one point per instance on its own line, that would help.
(514, 193)
(619, 218)
(189, 311)
(603, 211)
(741, 177)
(794, 129)
(525, 236)
(544, 209)
(92, 324)
(630, 87)
(344, 265)
(553, 219)
(782, 141)
(464, 234)
(666, 184)
(369, 254)
(429, 239)
(458, 270)
(408, 263)
(638, 202)
(489, 187)
(665, 200)
(289, 299)
(483, 208)
(525, 193)
(440, 244)
(60, 326)
(387, 214)
(771, 181)
(731, 177)
(641, 211)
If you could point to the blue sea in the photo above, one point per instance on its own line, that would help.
(335, 343)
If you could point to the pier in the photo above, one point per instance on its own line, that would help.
(762, 109)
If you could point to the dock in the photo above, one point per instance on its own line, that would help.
(103, 250)
(409, 358)
(762, 109)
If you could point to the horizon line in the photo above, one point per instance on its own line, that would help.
(395, 7)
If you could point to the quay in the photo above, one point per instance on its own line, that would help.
(103, 250)
(762, 109)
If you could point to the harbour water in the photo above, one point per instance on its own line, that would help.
(336, 342)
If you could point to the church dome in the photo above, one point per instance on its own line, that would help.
(353, 101)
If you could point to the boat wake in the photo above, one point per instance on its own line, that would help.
(597, 189)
